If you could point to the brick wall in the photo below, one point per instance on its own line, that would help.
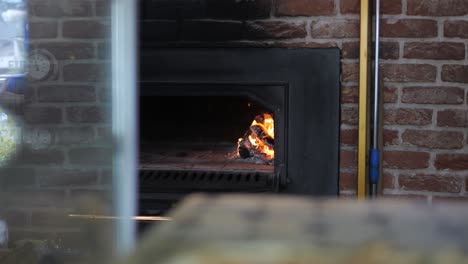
(65, 119)
(424, 63)
(427, 121)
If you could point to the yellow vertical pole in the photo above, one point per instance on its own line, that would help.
(363, 134)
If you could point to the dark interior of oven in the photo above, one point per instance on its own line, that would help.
(191, 141)
(202, 129)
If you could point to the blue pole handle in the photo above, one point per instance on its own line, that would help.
(374, 166)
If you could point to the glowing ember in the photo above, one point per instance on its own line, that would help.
(259, 140)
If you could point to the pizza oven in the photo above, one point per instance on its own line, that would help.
(251, 120)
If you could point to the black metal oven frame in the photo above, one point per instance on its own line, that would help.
(302, 87)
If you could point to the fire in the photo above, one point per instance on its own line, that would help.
(258, 141)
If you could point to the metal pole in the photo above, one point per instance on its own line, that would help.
(375, 155)
(376, 74)
(124, 121)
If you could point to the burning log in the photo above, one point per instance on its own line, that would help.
(244, 149)
(262, 134)
(258, 141)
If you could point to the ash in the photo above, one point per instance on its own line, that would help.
(260, 160)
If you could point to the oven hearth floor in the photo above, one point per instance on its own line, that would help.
(196, 157)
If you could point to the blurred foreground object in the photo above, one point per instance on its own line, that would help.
(3, 234)
(66, 239)
(9, 136)
(271, 229)
(13, 38)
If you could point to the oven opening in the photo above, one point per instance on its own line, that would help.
(206, 133)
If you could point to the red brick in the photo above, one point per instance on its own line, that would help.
(349, 72)
(456, 29)
(386, 7)
(66, 177)
(437, 7)
(349, 115)
(348, 159)
(349, 94)
(43, 29)
(103, 7)
(103, 50)
(451, 161)
(66, 93)
(431, 183)
(407, 116)
(408, 72)
(350, 6)
(348, 137)
(87, 114)
(73, 135)
(69, 50)
(61, 8)
(42, 115)
(348, 181)
(434, 50)
(106, 177)
(452, 118)
(390, 95)
(350, 50)
(85, 29)
(433, 139)
(455, 73)
(85, 72)
(41, 157)
(405, 159)
(388, 181)
(33, 198)
(390, 137)
(104, 135)
(91, 156)
(389, 50)
(275, 30)
(433, 95)
(337, 28)
(104, 94)
(305, 7)
(391, 7)
(409, 28)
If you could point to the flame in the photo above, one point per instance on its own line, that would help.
(268, 125)
(262, 129)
